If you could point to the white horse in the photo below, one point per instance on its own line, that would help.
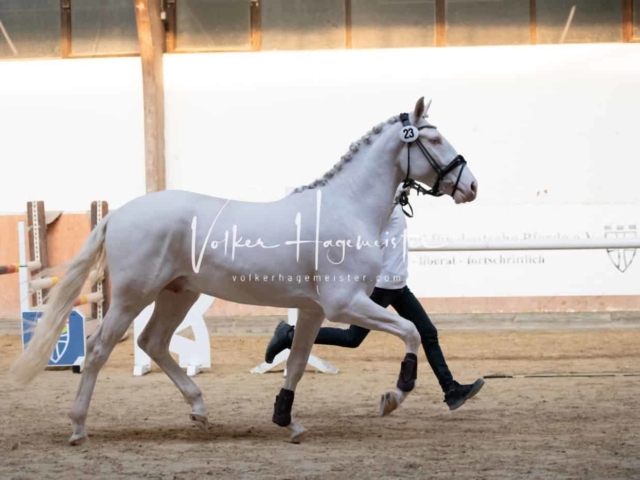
(315, 250)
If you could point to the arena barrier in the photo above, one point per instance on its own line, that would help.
(70, 350)
(488, 245)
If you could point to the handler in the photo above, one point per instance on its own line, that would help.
(391, 289)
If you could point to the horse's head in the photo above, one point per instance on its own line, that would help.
(429, 158)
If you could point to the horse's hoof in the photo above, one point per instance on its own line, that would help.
(388, 403)
(298, 432)
(78, 439)
(299, 437)
(200, 421)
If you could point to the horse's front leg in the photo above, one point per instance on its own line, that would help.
(307, 327)
(364, 312)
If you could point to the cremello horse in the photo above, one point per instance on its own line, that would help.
(315, 250)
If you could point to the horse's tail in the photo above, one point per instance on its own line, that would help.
(62, 297)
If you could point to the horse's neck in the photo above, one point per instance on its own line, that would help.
(369, 182)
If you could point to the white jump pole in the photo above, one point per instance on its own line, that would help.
(23, 272)
(540, 244)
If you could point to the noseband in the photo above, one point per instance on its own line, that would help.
(411, 136)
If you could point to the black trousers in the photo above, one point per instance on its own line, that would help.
(407, 305)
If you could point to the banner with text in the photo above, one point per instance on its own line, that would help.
(522, 273)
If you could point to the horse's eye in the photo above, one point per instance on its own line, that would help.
(436, 140)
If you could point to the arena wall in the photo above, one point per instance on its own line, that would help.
(545, 129)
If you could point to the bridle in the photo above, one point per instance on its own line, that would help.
(410, 135)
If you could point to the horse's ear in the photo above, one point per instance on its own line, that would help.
(426, 109)
(418, 110)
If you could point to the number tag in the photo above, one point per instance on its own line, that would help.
(409, 134)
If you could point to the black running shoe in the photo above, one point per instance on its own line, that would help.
(459, 394)
(282, 338)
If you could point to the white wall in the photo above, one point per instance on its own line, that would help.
(527, 119)
(551, 132)
(71, 131)
(560, 118)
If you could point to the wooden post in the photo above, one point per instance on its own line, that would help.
(348, 20)
(151, 38)
(627, 20)
(256, 25)
(65, 28)
(441, 23)
(533, 22)
(172, 25)
(99, 210)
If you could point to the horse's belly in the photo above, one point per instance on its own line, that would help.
(287, 290)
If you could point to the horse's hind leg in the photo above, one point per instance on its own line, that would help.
(99, 347)
(170, 309)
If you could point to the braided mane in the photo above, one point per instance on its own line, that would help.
(366, 139)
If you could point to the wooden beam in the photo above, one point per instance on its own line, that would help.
(65, 28)
(441, 23)
(76, 56)
(533, 22)
(256, 25)
(151, 38)
(348, 21)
